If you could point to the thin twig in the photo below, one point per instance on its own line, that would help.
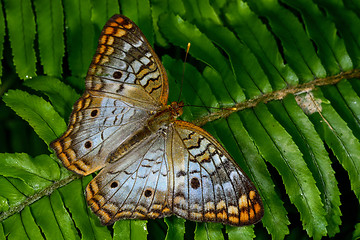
(278, 95)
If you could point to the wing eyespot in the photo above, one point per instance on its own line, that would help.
(195, 183)
(114, 184)
(88, 144)
(117, 75)
(94, 113)
(148, 193)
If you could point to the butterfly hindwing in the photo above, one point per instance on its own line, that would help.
(208, 184)
(135, 187)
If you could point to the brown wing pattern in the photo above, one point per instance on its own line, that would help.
(208, 184)
(125, 65)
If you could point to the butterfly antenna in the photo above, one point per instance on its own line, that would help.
(183, 70)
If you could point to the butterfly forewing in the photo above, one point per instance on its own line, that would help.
(97, 126)
(153, 165)
(125, 66)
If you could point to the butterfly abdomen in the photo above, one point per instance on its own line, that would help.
(132, 142)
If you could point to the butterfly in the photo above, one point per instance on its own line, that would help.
(152, 165)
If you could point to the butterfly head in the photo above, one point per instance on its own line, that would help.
(177, 108)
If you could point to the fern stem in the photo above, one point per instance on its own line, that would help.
(46, 191)
(278, 95)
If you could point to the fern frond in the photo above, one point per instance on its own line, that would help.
(286, 73)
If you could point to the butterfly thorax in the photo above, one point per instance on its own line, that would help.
(159, 121)
(177, 108)
(166, 115)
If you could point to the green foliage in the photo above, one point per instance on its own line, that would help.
(176, 227)
(20, 21)
(39, 113)
(290, 68)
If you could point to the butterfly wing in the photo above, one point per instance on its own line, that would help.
(126, 67)
(97, 126)
(125, 84)
(135, 187)
(208, 184)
